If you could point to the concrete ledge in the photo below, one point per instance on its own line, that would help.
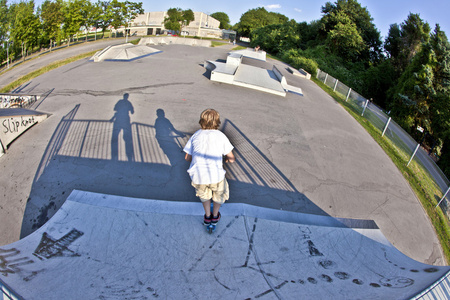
(221, 72)
(167, 40)
(300, 73)
(284, 84)
(280, 76)
(251, 53)
(234, 59)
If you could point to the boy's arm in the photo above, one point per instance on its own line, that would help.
(229, 158)
(188, 157)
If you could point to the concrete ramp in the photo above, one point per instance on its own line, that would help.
(258, 79)
(233, 71)
(14, 122)
(125, 52)
(251, 53)
(100, 246)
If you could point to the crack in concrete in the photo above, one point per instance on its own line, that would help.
(137, 89)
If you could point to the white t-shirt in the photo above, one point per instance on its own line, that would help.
(207, 148)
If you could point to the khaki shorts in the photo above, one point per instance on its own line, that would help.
(218, 192)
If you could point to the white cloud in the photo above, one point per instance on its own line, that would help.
(273, 6)
(298, 10)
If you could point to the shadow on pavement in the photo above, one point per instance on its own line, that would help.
(120, 157)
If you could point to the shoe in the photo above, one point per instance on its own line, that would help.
(215, 219)
(207, 220)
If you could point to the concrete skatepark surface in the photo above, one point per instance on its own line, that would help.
(117, 128)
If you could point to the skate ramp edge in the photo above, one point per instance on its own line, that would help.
(15, 121)
(105, 246)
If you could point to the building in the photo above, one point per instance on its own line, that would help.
(152, 23)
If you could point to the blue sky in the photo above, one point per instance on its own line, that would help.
(384, 12)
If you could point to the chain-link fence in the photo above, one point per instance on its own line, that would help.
(405, 145)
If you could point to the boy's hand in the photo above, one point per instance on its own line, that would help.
(229, 158)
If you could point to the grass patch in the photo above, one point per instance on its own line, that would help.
(419, 179)
(24, 79)
(217, 44)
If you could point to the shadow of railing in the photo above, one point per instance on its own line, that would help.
(252, 166)
(80, 156)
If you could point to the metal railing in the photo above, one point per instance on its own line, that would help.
(405, 145)
(13, 100)
(6, 293)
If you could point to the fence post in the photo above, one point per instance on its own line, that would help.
(335, 84)
(318, 72)
(348, 94)
(386, 126)
(325, 80)
(365, 106)
(443, 197)
(412, 156)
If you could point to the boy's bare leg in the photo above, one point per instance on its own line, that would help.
(216, 207)
(207, 207)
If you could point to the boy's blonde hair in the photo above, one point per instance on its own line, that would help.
(209, 119)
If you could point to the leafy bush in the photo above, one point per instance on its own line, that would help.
(307, 64)
(276, 38)
(294, 58)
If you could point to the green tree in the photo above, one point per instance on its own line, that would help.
(223, 19)
(308, 34)
(276, 38)
(26, 26)
(344, 39)
(115, 12)
(176, 17)
(393, 45)
(130, 11)
(377, 79)
(256, 18)
(411, 99)
(88, 15)
(104, 19)
(73, 18)
(51, 13)
(440, 108)
(4, 29)
(96, 15)
(120, 13)
(347, 18)
(404, 42)
(414, 32)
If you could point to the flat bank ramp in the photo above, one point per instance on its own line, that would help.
(101, 246)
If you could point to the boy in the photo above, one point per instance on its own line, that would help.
(205, 150)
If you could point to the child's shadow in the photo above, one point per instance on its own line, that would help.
(167, 137)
